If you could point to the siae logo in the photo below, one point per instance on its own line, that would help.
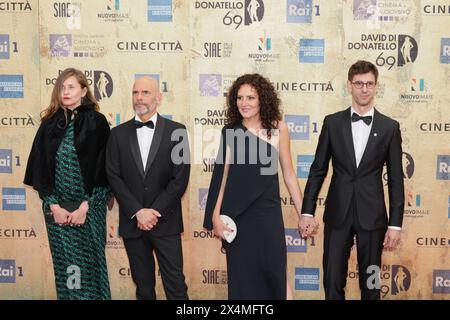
(69, 10)
(217, 49)
(208, 164)
(214, 276)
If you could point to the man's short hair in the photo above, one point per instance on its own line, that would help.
(361, 67)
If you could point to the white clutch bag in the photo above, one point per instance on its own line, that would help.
(229, 236)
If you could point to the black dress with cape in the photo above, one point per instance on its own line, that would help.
(256, 259)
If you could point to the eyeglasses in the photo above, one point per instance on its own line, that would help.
(360, 84)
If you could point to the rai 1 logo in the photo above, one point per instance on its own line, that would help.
(6, 47)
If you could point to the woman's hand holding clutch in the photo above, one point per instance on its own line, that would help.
(224, 229)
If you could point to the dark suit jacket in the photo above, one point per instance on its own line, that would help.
(365, 182)
(159, 186)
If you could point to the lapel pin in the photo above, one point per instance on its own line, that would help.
(375, 134)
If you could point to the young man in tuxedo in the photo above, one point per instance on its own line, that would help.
(147, 164)
(359, 141)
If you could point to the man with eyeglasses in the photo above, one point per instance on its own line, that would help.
(359, 141)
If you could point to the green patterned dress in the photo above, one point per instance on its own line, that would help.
(78, 252)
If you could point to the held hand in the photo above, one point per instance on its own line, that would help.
(60, 215)
(78, 217)
(219, 227)
(307, 226)
(391, 239)
(147, 219)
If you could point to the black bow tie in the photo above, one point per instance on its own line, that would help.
(140, 124)
(367, 119)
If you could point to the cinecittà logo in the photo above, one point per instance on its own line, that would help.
(150, 46)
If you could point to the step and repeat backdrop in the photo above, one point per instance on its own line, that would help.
(196, 49)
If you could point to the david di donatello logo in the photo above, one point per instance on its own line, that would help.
(103, 85)
(235, 13)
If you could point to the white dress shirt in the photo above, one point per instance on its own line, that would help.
(145, 138)
(360, 134)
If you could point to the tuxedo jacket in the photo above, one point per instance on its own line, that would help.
(360, 186)
(160, 185)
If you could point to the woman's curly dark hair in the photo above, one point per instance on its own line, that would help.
(269, 102)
